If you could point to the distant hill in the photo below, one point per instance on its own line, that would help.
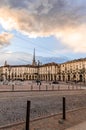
(52, 59)
(20, 58)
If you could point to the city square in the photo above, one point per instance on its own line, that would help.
(42, 64)
(44, 102)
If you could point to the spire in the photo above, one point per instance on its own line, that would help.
(34, 61)
(34, 56)
(5, 63)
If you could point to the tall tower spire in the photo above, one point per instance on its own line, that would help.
(34, 61)
(5, 63)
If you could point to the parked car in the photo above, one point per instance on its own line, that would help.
(38, 81)
(55, 82)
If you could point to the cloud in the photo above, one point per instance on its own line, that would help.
(65, 19)
(74, 38)
(5, 39)
(21, 58)
(15, 57)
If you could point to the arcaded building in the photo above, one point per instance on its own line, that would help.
(30, 72)
(69, 71)
(73, 70)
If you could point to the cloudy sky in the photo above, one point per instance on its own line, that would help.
(55, 28)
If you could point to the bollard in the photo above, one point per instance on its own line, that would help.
(46, 87)
(39, 88)
(80, 86)
(58, 87)
(12, 87)
(72, 87)
(28, 116)
(64, 112)
(31, 87)
(76, 86)
(53, 88)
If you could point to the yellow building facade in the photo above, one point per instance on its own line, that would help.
(74, 70)
(69, 71)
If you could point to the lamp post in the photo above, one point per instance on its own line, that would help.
(48, 75)
(84, 73)
(38, 72)
(9, 69)
(55, 74)
(5, 75)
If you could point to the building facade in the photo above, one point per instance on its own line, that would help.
(73, 70)
(69, 71)
(46, 72)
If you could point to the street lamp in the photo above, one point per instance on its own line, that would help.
(9, 69)
(49, 75)
(83, 73)
(38, 72)
(5, 75)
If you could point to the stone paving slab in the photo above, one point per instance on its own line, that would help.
(81, 126)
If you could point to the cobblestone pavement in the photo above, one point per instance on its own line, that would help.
(74, 121)
(13, 104)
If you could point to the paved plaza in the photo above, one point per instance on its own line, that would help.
(81, 126)
(32, 85)
(43, 103)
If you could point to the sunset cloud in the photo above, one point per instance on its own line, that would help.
(64, 19)
(5, 39)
